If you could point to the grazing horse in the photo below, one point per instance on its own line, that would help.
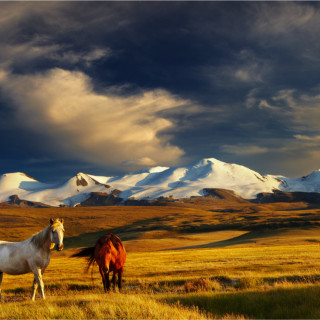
(110, 255)
(31, 255)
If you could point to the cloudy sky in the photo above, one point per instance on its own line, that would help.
(112, 87)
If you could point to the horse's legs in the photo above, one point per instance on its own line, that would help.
(106, 274)
(103, 279)
(113, 280)
(34, 288)
(37, 281)
(120, 272)
(1, 277)
(41, 283)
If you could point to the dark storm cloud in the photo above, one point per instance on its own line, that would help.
(104, 84)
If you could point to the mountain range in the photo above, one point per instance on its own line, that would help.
(151, 183)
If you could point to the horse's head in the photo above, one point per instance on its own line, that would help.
(57, 233)
(107, 254)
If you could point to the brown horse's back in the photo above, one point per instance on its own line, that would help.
(114, 239)
(110, 243)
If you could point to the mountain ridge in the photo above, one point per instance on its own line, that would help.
(155, 182)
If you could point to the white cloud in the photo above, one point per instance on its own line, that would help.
(250, 68)
(245, 69)
(142, 162)
(285, 18)
(19, 50)
(263, 104)
(13, 54)
(307, 138)
(243, 149)
(86, 58)
(39, 160)
(105, 129)
(292, 157)
(288, 24)
(299, 112)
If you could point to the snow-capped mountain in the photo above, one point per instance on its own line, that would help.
(72, 192)
(178, 182)
(181, 182)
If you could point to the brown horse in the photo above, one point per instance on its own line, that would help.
(110, 255)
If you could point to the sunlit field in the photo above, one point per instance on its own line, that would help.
(227, 268)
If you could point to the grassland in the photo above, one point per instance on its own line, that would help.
(210, 260)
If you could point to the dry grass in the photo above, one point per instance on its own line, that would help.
(175, 224)
(97, 306)
(222, 283)
(253, 261)
(199, 285)
(298, 302)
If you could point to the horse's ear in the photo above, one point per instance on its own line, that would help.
(51, 221)
(61, 220)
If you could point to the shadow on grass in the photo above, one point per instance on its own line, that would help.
(138, 228)
(125, 233)
(291, 303)
(247, 238)
(257, 230)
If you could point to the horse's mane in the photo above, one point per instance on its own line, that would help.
(114, 239)
(39, 238)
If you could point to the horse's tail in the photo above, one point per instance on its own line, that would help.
(86, 252)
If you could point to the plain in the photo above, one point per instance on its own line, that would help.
(201, 259)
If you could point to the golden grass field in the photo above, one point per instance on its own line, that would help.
(209, 259)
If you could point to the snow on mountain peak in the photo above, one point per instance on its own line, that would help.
(179, 182)
(14, 180)
(17, 183)
(315, 175)
(82, 179)
(17, 176)
(158, 169)
(208, 161)
(309, 183)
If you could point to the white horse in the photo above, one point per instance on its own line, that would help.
(31, 255)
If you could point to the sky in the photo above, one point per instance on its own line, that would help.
(108, 88)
